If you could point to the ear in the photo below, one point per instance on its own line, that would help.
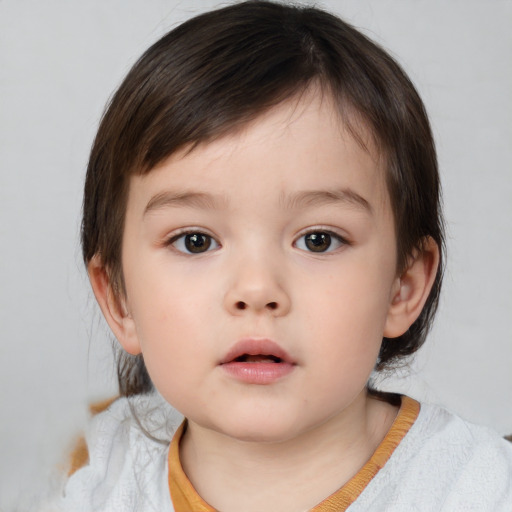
(113, 306)
(412, 288)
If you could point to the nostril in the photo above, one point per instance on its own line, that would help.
(241, 305)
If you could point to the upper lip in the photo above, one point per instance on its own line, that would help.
(255, 347)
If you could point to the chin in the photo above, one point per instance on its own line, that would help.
(260, 430)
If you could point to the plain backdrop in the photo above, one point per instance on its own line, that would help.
(59, 63)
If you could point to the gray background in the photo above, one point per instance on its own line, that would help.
(59, 62)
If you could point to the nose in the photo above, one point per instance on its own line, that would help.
(257, 287)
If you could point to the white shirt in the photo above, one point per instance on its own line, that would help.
(443, 464)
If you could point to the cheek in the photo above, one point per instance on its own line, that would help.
(353, 300)
(170, 346)
(173, 320)
(347, 320)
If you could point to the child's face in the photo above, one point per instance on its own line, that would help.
(293, 246)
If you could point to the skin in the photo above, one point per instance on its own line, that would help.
(260, 279)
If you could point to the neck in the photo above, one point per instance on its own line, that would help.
(234, 475)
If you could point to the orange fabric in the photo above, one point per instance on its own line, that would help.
(184, 496)
(186, 499)
(80, 455)
(103, 405)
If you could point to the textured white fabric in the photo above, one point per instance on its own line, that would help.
(443, 464)
(127, 471)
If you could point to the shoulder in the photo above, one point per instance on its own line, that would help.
(468, 444)
(474, 459)
(444, 464)
(127, 470)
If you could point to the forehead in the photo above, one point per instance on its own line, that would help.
(300, 145)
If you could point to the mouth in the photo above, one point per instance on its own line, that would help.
(257, 350)
(257, 361)
(259, 358)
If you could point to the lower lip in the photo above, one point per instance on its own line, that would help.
(258, 373)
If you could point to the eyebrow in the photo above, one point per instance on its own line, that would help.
(183, 199)
(311, 198)
(307, 198)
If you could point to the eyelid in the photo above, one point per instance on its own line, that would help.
(187, 231)
(180, 233)
(323, 229)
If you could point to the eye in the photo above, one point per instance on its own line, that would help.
(320, 241)
(193, 243)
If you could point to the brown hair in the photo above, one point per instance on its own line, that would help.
(221, 69)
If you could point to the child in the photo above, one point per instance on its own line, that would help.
(262, 229)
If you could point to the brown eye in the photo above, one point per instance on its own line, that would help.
(197, 242)
(194, 243)
(318, 242)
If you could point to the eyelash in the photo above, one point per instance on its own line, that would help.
(181, 236)
(332, 236)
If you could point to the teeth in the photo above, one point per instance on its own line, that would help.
(246, 358)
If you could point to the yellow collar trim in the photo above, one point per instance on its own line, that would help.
(186, 499)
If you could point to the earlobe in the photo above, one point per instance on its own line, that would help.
(411, 289)
(113, 307)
